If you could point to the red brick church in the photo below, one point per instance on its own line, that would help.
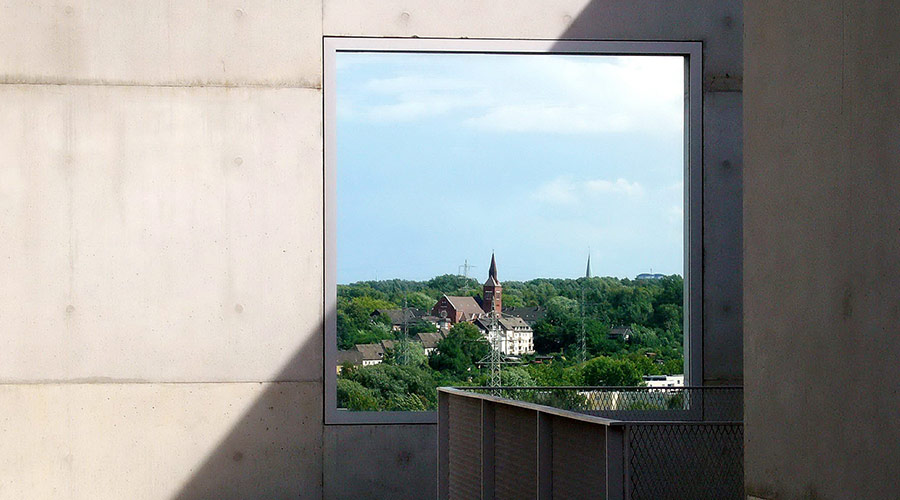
(455, 308)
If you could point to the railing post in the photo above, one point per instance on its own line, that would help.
(616, 483)
(544, 456)
(443, 458)
(487, 450)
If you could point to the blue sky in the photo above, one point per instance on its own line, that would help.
(447, 157)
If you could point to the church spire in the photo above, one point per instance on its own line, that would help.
(492, 272)
(587, 273)
(492, 291)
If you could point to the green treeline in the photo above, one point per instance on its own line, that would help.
(652, 309)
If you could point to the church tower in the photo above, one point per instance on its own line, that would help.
(493, 291)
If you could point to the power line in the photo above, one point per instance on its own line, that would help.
(465, 266)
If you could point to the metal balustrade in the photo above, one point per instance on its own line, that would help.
(590, 442)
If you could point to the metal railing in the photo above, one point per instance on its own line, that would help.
(590, 442)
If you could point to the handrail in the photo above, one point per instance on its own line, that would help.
(596, 387)
(532, 406)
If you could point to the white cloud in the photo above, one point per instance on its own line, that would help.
(540, 93)
(619, 186)
(565, 190)
(560, 190)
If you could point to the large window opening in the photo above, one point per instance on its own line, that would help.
(512, 213)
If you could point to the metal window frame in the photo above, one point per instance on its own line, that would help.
(693, 184)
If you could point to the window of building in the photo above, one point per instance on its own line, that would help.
(533, 197)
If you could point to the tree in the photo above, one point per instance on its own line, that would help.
(460, 350)
(392, 384)
(604, 371)
(421, 326)
(353, 396)
(419, 300)
(412, 353)
(559, 328)
(452, 284)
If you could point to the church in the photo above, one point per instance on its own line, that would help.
(517, 337)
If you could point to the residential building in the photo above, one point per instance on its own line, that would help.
(399, 317)
(371, 354)
(664, 380)
(516, 336)
(351, 356)
(530, 314)
(620, 333)
(429, 340)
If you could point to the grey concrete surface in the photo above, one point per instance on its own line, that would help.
(152, 441)
(162, 42)
(380, 461)
(821, 240)
(161, 237)
(166, 234)
(160, 250)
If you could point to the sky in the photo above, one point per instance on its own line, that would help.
(542, 159)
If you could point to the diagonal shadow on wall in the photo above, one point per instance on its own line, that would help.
(275, 449)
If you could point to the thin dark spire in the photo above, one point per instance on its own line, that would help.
(587, 273)
(492, 272)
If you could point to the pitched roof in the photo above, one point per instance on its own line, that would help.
(530, 314)
(513, 322)
(620, 331)
(370, 352)
(507, 323)
(352, 356)
(397, 316)
(466, 305)
(430, 340)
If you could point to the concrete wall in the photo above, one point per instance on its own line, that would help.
(821, 243)
(160, 249)
(161, 237)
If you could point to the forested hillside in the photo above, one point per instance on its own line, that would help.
(652, 309)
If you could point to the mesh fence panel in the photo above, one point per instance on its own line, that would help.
(686, 461)
(680, 443)
(579, 467)
(515, 449)
(465, 448)
(634, 403)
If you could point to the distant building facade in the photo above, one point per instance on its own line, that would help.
(620, 333)
(664, 380)
(453, 309)
(531, 314)
(516, 335)
(372, 354)
(407, 316)
(429, 341)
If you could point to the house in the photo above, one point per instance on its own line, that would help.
(516, 336)
(429, 340)
(371, 354)
(530, 314)
(350, 356)
(399, 317)
(620, 333)
(664, 380)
